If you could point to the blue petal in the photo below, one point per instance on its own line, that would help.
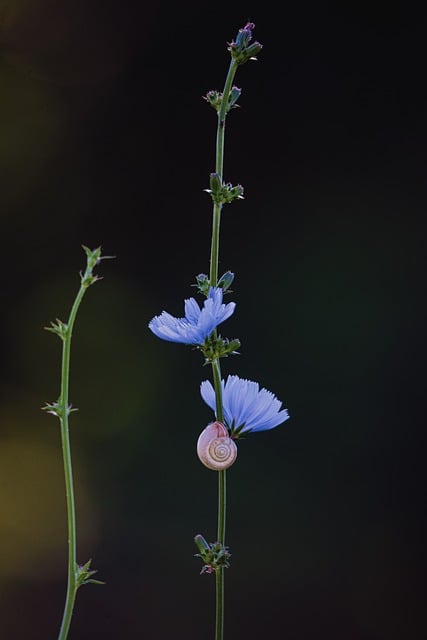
(245, 406)
(192, 310)
(208, 394)
(198, 324)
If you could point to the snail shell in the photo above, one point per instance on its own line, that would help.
(215, 448)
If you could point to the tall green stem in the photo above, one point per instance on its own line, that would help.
(216, 371)
(72, 584)
(62, 409)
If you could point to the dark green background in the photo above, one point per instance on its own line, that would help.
(105, 140)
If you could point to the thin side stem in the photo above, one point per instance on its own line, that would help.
(68, 471)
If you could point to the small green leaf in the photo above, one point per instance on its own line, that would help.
(54, 408)
(84, 573)
(59, 328)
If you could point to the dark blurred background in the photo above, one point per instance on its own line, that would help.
(106, 140)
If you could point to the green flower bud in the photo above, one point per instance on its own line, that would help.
(214, 554)
(230, 193)
(214, 98)
(202, 546)
(252, 51)
(218, 347)
(215, 184)
(203, 283)
(235, 94)
(223, 193)
(226, 280)
(236, 193)
(93, 257)
(230, 348)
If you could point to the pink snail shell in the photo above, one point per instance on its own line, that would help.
(215, 448)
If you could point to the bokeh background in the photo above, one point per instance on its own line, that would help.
(106, 140)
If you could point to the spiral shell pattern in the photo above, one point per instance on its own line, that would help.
(215, 448)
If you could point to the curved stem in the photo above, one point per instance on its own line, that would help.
(72, 585)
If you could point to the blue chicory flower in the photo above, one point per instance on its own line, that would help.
(246, 407)
(198, 324)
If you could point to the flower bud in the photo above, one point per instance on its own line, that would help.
(236, 192)
(235, 94)
(215, 184)
(202, 545)
(252, 51)
(240, 49)
(244, 36)
(225, 280)
(203, 283)
(214, 98)
(230, 347)
(230, 193)
(214, 554)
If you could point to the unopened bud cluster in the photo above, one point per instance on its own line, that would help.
(203, 283)
(214, 554)
(241, 50)
(217, 347)
(223, 193)
(214, 98)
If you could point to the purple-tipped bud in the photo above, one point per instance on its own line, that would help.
(245, 35)
(241, 50)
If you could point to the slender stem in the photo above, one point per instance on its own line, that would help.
(220, 574)
(216, 371)
(219, 167)
(222, 113)
(215, 244)
(222, 504)
(72, 585)
(221, 474)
